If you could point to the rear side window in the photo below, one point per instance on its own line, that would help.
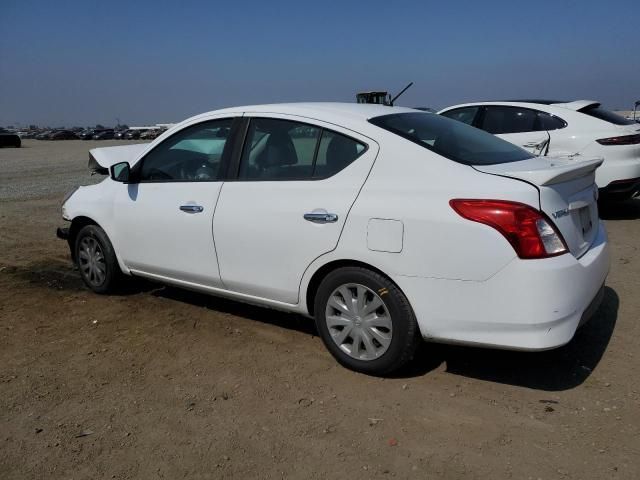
(550, 122)
(597, 111)
(335, 152)
(465, 115)
(451, 139)
(502, 120)
(285, 150)
(278, 150)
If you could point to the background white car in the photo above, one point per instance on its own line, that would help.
(386, 224)
(577, 129)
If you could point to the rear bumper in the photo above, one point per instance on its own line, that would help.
(622, 188)
(617, 171)
(529, 305)
(62, 233)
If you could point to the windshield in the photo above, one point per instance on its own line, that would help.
(606, 115)
(451, 139)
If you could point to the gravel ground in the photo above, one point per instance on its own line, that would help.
(42, 168)
(162, 383)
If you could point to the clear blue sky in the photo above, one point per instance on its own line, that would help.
(82, 62)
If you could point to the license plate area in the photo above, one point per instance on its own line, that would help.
(585, 220)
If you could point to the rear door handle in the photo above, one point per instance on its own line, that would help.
(321, 216)
(191, 208)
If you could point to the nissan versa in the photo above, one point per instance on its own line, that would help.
(386, 224)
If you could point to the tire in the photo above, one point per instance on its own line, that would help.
(386, 341)
(97, 260)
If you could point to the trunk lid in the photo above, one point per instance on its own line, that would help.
(568, 194)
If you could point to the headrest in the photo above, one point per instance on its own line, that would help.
(278, 151)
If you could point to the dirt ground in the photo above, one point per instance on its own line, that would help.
(163, 383)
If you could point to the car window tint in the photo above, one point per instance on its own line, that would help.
(193, 154)
(451, 139)
(550, 122)
(464, 115)
(335, 152)
(499, 120)
(278, 150)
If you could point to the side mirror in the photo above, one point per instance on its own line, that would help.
(120, 172)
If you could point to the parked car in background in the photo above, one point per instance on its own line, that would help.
(44, 135)
(151, 134)
(87, 134)
(133, 134)
(575, 129)
(63, 135)
(104, 134)
(120, 134)
(386, 224)
(9, 139)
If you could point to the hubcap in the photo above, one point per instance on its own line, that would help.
(91, 261)
(358, 321)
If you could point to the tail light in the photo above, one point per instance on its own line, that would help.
(529, 231)
(624, 140)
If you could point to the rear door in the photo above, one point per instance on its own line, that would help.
(295, 185)
(518, 125)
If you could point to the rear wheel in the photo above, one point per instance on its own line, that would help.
(96, 259)
(365, 321)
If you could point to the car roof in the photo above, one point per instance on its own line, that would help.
(575, 105)
(572, 105)
(543, 102)
(329, 111)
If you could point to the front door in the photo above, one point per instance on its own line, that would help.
(296, 183)
(164, 220)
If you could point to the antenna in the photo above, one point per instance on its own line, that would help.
(401, 92)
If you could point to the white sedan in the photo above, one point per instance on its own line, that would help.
(388, 225)
(577, 129)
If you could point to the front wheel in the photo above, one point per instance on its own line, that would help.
(96, 259)
(365, 321)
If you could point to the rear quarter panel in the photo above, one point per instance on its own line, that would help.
(412, 185)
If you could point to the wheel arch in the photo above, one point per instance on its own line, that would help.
(77, 224)
(324, 270)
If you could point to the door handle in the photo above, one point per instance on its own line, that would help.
(321, 217)
(191, 208)
(541, 144)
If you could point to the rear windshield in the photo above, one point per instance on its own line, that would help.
(606, 115)
(454, 140)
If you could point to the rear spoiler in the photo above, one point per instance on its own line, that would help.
(578, 105)
(100, 159)
(544, 170)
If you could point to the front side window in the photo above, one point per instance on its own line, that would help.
(193, 154)
(451, 139)
(465, 115)
(503, 120)
(278, 149)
